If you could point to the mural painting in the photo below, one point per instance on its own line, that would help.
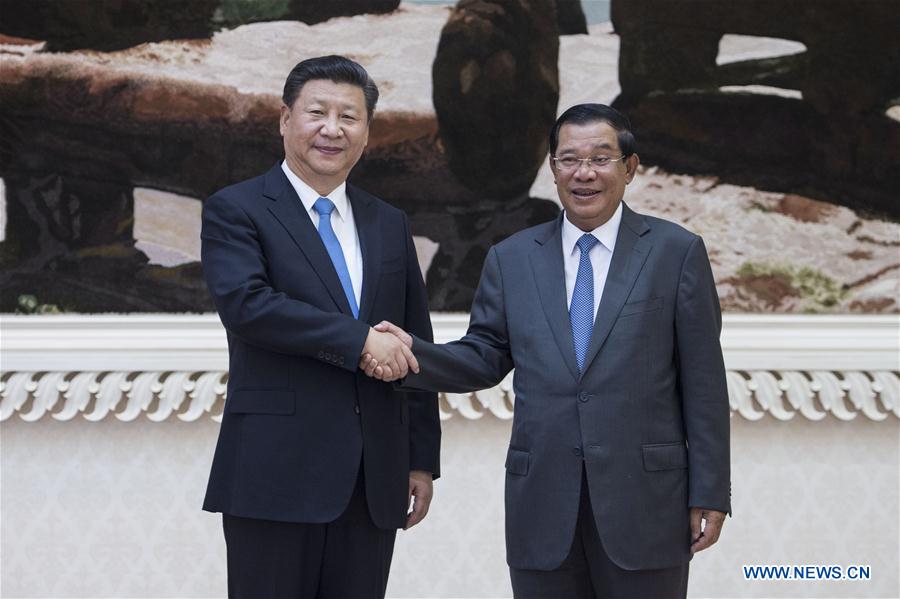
(773, 132)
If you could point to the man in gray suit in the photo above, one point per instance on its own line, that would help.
(620, 440)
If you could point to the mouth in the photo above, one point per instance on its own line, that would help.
(583, 193)
(329, 150)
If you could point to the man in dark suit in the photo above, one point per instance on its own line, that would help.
(316, 463)
(620, 440)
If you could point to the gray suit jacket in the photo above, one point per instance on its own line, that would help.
(649, 417)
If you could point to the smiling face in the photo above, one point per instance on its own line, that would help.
(589, 195)
(325, 132)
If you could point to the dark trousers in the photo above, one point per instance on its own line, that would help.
(588, 573)
(347, 558)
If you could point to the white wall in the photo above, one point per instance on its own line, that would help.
(112, 509)
(108, 424)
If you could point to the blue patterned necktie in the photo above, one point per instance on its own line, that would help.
(325, 207)
(581, 310)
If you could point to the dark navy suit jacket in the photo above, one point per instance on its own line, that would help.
(300, 416)
(648, 418)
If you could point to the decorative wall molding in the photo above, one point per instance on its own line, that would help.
(195, 342)
(174, 366)
(188, 396)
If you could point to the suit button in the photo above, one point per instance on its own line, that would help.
(341, 360)
(321, 354)
(584, 396)
(356, 408)
(576, 451)
(327, 356)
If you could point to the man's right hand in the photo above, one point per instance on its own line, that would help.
(386, 326)
(386, 355)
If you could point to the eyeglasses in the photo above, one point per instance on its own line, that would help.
(596, 163)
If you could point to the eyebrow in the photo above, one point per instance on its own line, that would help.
(329, 101)
(603, 146)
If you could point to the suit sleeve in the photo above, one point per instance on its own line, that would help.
(480, 359)
(235, 269)
(424, 414)
(701, 374)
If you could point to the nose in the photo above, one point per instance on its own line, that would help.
(584, 172)
(331, 127)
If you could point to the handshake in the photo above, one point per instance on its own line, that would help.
(387, 354)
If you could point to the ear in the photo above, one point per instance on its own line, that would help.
(283, 119)
(631, 165)
(553, 168)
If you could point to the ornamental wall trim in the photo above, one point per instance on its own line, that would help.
(161, 366)
(190, 396)
(196, 342)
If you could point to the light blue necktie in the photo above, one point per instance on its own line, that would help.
(581, 310)
(325, 207)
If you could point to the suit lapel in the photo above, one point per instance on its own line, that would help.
(630, 253)
(288, 209)
(365, 214)
(550, 278)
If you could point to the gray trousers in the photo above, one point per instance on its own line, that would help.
(588, 573)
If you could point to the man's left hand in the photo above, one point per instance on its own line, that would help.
(421, 489)
(702, 537)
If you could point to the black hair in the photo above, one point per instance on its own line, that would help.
(337, 69)
(582, 114)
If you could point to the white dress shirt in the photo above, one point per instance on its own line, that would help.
(341, 221)
(600, 254)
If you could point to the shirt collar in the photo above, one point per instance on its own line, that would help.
(605, 233)
(308, 195)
